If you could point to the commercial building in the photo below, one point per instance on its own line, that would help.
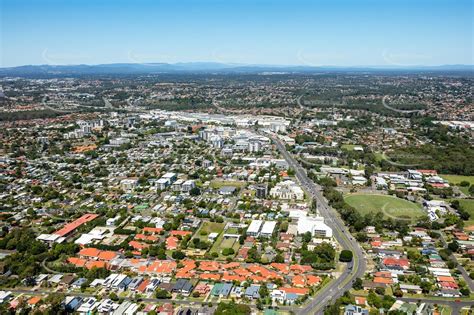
(268, 228)
(287, 190)
(261, 191)
(314, 225)
(254, 228)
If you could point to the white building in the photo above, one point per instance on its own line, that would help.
(254, 228)
(216, 141)
(128, 184)
(268, 228)
(119, 141)
(314, 225)
(287, 190)
(176, 187)
(162, 183)
(171, 176)
(277, 127)
(188, 185)
(254, 145)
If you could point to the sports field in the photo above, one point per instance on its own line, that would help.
(468, 205)
(220, 183)
(392, 207)
(208, 228)
(457, 179)
(222, 243)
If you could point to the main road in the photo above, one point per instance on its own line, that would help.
(460, 268)
(353, 270)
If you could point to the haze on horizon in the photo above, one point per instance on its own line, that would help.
(302, 32)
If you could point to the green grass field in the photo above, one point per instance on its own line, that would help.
(456, 179)
(379, 156)
(468, 205)
(222, 243)
(221, 183)
(391, 207)
(207, 228)
(349, 147)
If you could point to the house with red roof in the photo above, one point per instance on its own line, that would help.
(180, 233)
(297, 291)
(138, 246)
(202, 288)
(172, 243)
(396, 263)
(70, 227)
(152, 230)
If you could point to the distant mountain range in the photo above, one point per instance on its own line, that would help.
(206, 67)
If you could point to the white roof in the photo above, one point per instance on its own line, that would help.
(254, 227)
(51, 238)
(312, 224)
(5, 294)
(86, 239)
(168, 175)
(268, 227)
(55, 278)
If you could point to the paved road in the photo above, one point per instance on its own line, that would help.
(355, 269)
(461, 269)
(384, 103)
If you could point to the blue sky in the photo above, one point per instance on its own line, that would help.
(291, 32)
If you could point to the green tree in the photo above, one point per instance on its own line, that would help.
(453, 246)
(162, 294)
(357, 285)
(232, 308)
(345, 256)
(195, 191)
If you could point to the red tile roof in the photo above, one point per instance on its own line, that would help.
(383, 280)
(209, 276)
(299, 291)
(34, 300)
(143, 285)
(445, 279)
(152, 230)
(137, 245)
(182, 233)
(107, 255)
(68, 228)
(300, 268)
(96, 264)
(312, 280)
(209, 266)
(402, 262)
(144, 237)
(298, 281)
(283, 268)
(448, 285)
(77, 261)
(227, 277)
(172, 243)
(89, 252)
(160, 267)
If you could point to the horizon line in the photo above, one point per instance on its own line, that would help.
(232, 64)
